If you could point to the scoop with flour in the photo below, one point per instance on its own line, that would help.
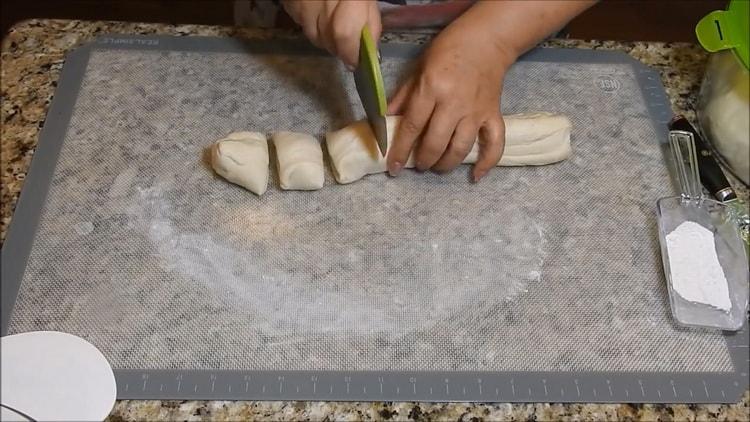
(704, 258)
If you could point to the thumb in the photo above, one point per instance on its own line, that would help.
(491, 145)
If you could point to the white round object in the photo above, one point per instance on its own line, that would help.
(50, 375)
(8, 415)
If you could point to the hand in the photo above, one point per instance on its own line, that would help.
(336, 25)
(453, 96)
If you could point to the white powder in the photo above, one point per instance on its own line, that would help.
(696, 273)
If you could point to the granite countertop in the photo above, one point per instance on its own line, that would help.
(32, 57)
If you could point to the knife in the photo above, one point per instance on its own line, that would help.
(370, 87)
(713, 179)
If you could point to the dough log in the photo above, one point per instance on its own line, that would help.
(300, 160)
(531, 139)
(242, 158)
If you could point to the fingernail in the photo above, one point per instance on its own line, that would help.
(395, 169)
(419, 166)
(350, 67)
(479, 175)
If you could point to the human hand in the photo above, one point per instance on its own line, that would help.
(336, 25)
(453, 96)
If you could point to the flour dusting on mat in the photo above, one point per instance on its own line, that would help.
(696, 273)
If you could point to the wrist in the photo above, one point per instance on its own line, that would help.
(473, 29)
(514, 27)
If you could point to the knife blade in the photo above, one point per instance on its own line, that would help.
(369, 82)
(714, 180)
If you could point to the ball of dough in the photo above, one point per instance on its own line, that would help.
(300, 160)
(242, 158)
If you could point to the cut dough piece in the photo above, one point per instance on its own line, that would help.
(242, 158)
(531, 139)
(300, 161)
(354, 151)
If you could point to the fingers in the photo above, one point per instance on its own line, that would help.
(336, 25)
(323, 37)
(346, 28)
(311, 28)
(398, 102)
(309, 16)
(460, 145)
(436, 138)
(491, 145)
(417, 115)
(346, 42)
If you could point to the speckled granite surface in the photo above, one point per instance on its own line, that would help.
(32, 57)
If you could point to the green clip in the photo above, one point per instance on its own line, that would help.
(727, 29)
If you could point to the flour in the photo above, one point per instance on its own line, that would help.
(696, 273)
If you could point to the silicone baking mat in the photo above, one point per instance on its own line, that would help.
(537, 284)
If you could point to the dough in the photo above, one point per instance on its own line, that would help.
(242, 158)
(531, 139)
(723, 111)
(354, 151)
(300, 161)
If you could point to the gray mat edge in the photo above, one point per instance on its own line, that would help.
(340, 385)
